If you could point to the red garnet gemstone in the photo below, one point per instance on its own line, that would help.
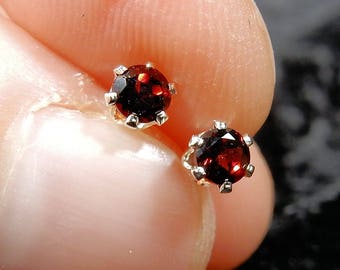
(224, 155)
(142, 90)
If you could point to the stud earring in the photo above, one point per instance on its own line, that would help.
(219, 155)
(139, 96)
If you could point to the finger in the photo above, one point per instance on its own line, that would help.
(76, 193)
(78, 84)
(218, 52)
(242, 219)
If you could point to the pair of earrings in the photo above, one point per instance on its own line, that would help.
(139, 98)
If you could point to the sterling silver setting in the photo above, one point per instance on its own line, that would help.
(198, 172)
(132, 120)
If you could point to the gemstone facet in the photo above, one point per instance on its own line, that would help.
(144, 92)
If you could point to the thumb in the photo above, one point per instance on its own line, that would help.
(78, 193)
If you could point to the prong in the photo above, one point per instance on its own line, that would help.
(195, 141)
(132, 121)
(110, 98)
(119, 70)
(172, 88)
(226, 187)
(161, 118)
(198, 173)
(248, 140)
(149, 65)
(250, 170)
(186, 159)
(219, 125)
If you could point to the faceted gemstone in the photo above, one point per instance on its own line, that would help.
(224, 155)
(142, 90)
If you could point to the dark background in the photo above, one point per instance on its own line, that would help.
(301, 138)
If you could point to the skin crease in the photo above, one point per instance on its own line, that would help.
(240, 70)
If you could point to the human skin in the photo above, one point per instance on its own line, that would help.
(80, 192)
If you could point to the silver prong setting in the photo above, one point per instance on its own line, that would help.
(195, 141)
(132, 121)
(226, 187)
(172, 88)
(149, 65)
(198, 172)
(161, 118)
(119, 70)
(141, 115)
(219, 125)
(207, 149)
(250, 170)
(111, 98)
(248, 140)
(186, 158)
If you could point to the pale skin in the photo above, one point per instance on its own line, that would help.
(79, 192)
